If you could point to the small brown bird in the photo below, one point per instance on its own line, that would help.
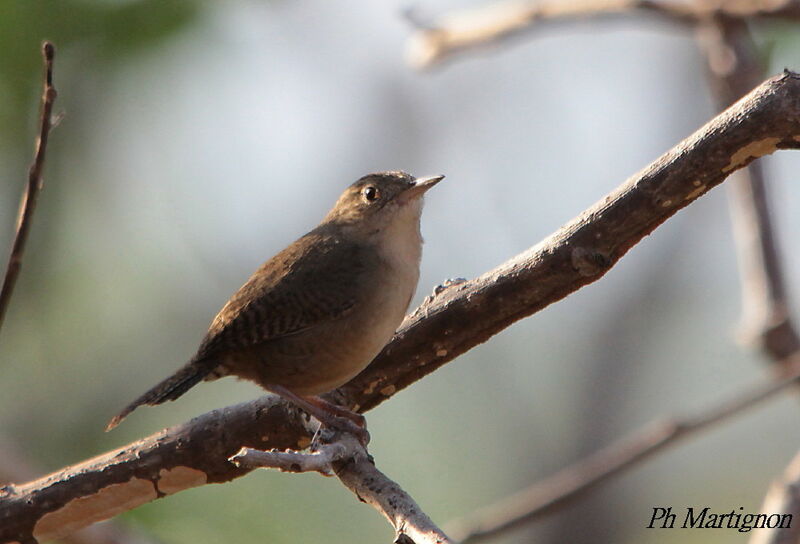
(315, 315)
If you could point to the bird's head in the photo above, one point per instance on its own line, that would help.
(379, 201)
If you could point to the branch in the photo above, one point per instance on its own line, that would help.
(178, 458)
(447, 324)
(319, 460)
(493, 23)
(15, 465)
(460, 316)
(411, 524)
(28, 203)
(349, 460)
(733, 63)
(543, 497)
(783, 496)
(734, 66)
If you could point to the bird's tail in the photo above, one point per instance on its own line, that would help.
(169, 389)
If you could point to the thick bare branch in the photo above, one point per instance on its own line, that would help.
(185, 456)
(492, 23)
(582, 251)
(34, 186)
(14, 466)
(445, 326)
(554, 492)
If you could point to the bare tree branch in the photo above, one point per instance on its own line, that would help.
(172, 460)
(457, 32)
(543, 497)
(581, 252)
(446, 325)
(28, 203)
(318, 460)
(734, 67)
(14, 466)
(348, 459)
(783, 496)
(766, 316)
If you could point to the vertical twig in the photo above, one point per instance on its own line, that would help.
(12, 465)
(733, 63)
(34, 187)
(733, 66)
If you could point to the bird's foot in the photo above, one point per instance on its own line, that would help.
(338, 417)
(328, 414)
(338, 411)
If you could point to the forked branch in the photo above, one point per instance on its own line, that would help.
(345, 456)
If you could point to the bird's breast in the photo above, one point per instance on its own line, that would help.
(329, 354)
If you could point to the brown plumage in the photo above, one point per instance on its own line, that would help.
(315, 314)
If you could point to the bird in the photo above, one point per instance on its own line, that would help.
(315, 315)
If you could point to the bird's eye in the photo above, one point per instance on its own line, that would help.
(371, 194)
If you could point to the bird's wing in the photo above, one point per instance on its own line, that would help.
(299, 288)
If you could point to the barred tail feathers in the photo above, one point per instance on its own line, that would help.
(169, 389)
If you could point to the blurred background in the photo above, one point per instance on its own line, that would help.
(201, 137)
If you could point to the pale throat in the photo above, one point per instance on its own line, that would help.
(400, 242)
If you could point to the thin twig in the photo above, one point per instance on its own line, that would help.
(571, 482)
(321, 460)
(496, 22)
(345, 456)
(14, 467)
(766, 315)
(28, 203)
(470, 29)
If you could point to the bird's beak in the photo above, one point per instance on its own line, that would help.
(420, 186)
